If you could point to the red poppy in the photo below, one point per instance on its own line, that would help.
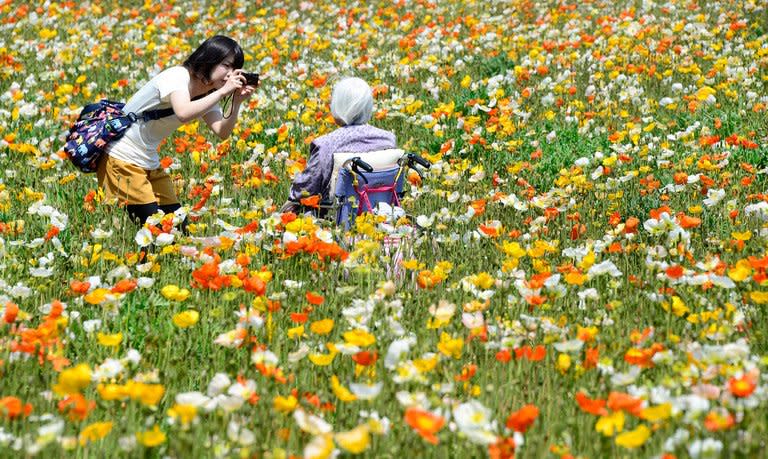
(522, 419)
(504, 356)
(365, 358)
(52, 232)
(674, 272)
(314, 299)
(299, 317)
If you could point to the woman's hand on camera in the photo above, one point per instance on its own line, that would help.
(235, 82)
(244, 93)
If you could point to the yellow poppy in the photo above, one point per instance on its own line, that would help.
(634, 438)
(151, 438)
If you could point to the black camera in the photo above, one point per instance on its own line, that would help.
(251, 79)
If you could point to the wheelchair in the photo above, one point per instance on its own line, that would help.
(359, 189)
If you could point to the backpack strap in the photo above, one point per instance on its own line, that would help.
(151, 115)
(156, 114)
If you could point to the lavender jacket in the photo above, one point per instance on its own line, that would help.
(316, 177)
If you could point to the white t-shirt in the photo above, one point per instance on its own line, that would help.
(139, 144)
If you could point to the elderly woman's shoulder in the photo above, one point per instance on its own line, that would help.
(383, 132)
(358, 131)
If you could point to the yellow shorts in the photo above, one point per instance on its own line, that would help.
(131, 184)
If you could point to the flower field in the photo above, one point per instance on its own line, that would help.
(581, 273)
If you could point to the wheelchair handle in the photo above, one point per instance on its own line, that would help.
(359, 163)
(414, 158)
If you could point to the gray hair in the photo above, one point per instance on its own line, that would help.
(352, 102)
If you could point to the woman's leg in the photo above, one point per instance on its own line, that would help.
(162, 187)
(141, 212)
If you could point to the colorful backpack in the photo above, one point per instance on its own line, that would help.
(98, 125)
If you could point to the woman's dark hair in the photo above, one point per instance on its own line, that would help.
(210, 54)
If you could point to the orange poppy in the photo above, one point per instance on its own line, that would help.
(621, 401)
(243, 260)
(591, 358)
(592, 406)
(642, 357)
(536, 300)
(630, 226)
(207, 276)
(688, 222)
(533, 354)
(537, 280)
(249, 228)
(124, 286)
(76, 406)
(467, 372)
(743, 386)
(550, 213)
(504, 448)
(288, 217)
(716, 421)
(312, 201)
(12, 408)
(255, 285)
(478, 206)
(424, 423)
(56, 309)
(11, 311)
(656, 213)
(680, 178)
(414, 178)
(758, 263)
(490, 230)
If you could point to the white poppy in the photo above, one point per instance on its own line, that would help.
(143, 237)
(474, 420)
(573, 345)
(145, 282)
(164, 239)
(196, 399)
(99, 233)
(424, 221)
(310, 423)
(714, 197)
(218, 384)
(366, 391)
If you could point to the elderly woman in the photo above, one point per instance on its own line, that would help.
(351, 107)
